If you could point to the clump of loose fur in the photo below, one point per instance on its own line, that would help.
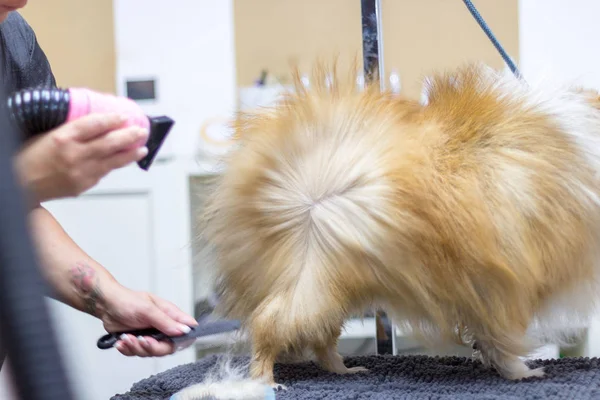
(225, 381)
(474, 217)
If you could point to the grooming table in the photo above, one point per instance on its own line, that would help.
(398, 377)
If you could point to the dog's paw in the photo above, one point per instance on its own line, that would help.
(349, 371)
(523, 373)
(356, 370)
(532, 373)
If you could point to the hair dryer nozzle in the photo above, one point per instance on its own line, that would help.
(159, 129)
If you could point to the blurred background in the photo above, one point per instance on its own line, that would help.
(199, 61)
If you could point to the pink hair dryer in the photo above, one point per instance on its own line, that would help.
(36, 111)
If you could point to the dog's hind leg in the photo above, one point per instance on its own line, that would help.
(330, 359)
(504, 357)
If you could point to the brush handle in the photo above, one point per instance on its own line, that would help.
(107, 341)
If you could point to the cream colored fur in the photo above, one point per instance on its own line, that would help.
(224, 382)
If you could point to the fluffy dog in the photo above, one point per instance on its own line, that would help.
(473, 218)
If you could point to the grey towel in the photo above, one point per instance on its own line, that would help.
(399, 377)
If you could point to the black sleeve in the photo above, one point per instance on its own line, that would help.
(25, 64)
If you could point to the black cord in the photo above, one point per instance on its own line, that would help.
(26, 329)
(492, 38)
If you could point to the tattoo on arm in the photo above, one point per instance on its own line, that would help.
(86, 284)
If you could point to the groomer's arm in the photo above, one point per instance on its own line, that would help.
(75, 277)
(81, 282)
(65, 163)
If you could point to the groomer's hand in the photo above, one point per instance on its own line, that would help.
(128, 310)
(72, 158)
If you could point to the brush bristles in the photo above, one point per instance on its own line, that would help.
(474, 217)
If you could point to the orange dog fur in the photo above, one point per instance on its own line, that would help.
(472, 218)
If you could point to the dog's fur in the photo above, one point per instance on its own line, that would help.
(474, 217)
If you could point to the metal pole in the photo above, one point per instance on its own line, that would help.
(373, 66)
(372, 37)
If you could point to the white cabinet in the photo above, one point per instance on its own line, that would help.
(135, 224)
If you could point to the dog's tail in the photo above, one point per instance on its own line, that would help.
(307, 200)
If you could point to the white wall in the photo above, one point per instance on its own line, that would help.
(188, 45)
(558, 40)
